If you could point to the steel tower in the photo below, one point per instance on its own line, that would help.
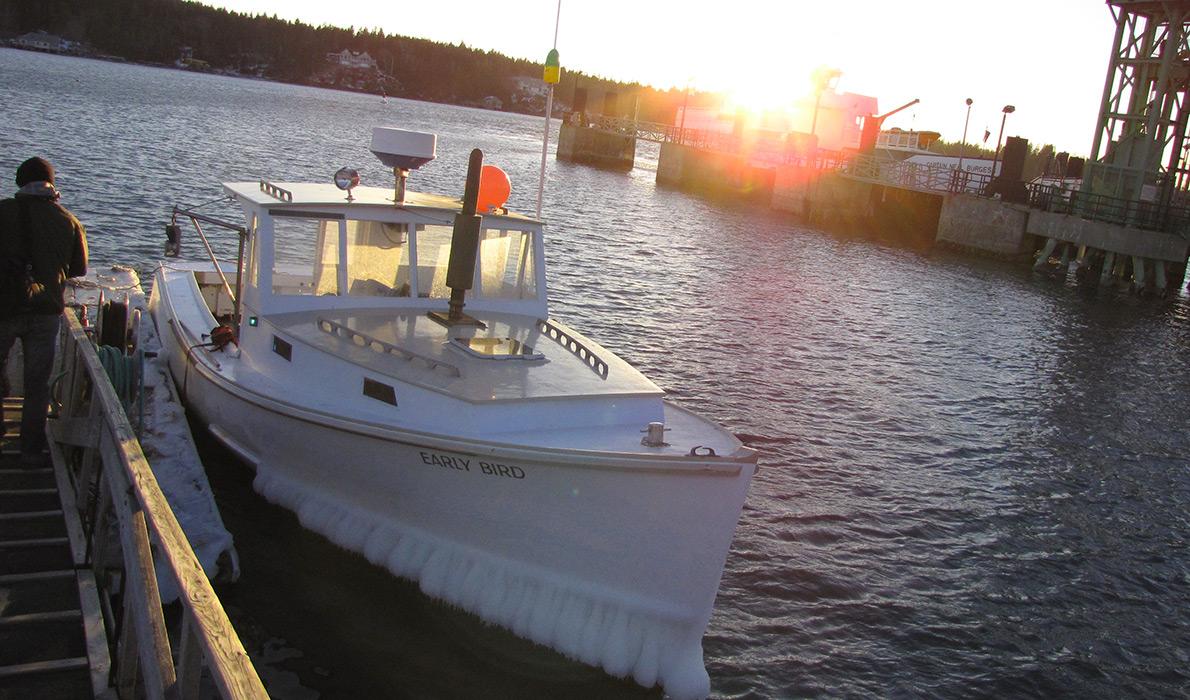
(1141, 134)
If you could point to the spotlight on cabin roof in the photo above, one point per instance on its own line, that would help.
(402, 151)
(346, 179)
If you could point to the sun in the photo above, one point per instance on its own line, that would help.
(765, 101)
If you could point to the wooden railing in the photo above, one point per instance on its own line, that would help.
(113, 498)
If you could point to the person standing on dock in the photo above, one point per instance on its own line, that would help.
(41, 245)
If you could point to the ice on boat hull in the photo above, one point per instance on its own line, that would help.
(595, 627)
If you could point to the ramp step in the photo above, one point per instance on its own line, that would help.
(43, 617)
(27, 492)
(12, 579)
(41, 667)
(31, 515)
(44, 542)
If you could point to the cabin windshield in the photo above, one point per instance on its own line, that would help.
(385, 259)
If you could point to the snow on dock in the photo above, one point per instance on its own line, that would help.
(164, 433)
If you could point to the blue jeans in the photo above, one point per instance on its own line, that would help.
(39, 340)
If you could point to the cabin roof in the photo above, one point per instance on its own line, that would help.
(303, 195)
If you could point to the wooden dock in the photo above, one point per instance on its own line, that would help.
(80, 612)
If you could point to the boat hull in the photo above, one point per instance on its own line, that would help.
(611, 560)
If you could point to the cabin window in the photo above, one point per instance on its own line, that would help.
(306, 255)
(506, 264)
(253, 252)
(378, 259)
(433, 259)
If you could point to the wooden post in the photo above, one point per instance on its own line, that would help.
(86, 480)
(1064, 263)
(140, 588)
(127, 657)
(189, 666)
(97, 540)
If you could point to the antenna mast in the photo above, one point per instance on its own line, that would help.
(551, 75)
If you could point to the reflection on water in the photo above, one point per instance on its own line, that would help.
(974, 480)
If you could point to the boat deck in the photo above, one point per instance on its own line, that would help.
(409, 345)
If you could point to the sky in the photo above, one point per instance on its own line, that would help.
(1048, 58)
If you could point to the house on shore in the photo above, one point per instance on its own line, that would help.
(44, 41)
(350, 59)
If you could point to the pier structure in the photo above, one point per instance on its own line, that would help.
(1105, 237)
(84, 541)
(1106, 230)
(1127, 217)
(597, 131)
(741, 163)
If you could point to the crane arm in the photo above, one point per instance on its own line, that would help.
(907, 105)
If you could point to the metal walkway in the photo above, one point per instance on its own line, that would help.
(52, 643)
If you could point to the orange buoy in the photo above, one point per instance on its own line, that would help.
(494, 188)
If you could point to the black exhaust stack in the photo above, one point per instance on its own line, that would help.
(464, 245)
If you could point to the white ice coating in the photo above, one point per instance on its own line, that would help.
(169, 447)
(578, 620)
(166, 440)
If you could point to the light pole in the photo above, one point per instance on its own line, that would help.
(685, 106)
(1008, 109)
(963, 144)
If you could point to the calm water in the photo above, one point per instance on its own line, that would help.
(974, 480)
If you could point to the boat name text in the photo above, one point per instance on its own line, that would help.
(464, 464)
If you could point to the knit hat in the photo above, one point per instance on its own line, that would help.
(35, 170)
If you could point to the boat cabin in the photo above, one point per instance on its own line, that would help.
(313, 247)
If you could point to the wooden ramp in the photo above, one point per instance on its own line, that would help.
(52, 643)
(80, 612)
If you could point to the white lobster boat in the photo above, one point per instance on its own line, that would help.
(510, 465)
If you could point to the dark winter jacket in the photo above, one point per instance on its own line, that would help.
(58, 244)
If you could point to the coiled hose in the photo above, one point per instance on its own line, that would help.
(126, 373)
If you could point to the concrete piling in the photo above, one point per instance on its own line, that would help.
(714, 173)
(1043, 257)
(602, 149)
(1109, 264)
